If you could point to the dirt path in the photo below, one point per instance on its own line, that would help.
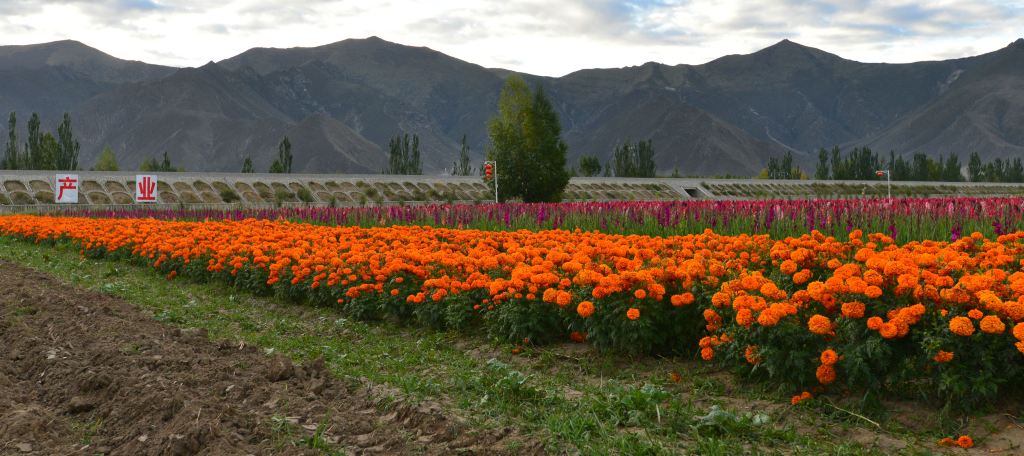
(85, 373)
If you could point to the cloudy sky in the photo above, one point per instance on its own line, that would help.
(540, 37)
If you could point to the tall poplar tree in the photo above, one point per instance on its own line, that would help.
(974, 167)
(33, 148)
(403, 156)
(462, 167)
(283, 162)
(12, 157)
(67, 152)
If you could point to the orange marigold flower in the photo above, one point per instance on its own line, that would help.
(633, 313)
(707, 341)
(769, 289)
(744, 317)
(707, 353)
(819, 324)
(965, 441)
(563, 298)
(991, 324)
(711, 316)
(889, 330)
(975, 314)
(768, 318)
(1018, 331)
(549, 295)
(829, 357)
(585, 309)
(943, 357)
(720, 299)
(788, 267)
(675, 377)
(800, 397)
(640, 294)
(947, 441)
(577, 336)
(853, 309)
(872, 292)
(684, 299)
(874, 278)
(825, 374)
(961, 326)
(875, 323)
(802, 277)
(750, 354)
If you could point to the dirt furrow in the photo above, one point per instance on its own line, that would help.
(86, 373)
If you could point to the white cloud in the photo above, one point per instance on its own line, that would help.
(534, 36)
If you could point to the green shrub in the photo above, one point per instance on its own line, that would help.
(229, 195)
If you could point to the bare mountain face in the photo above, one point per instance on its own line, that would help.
(341, 103)
(380, 89)
(51, 78)
(210, 118)
(982, 110)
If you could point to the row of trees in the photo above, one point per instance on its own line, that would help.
(862, 164)
(151, 164)
(997, 170)
(404, 155)
(628, 160)
(924, 168)
(42, 150)
(107, 161)
(782, 168)
(634, 159)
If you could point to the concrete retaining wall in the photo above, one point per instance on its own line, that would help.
(34, 190)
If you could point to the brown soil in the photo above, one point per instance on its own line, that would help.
(85, 373)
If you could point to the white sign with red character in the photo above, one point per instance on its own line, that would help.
(145, 188)
(67, 189)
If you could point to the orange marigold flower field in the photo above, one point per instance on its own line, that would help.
(860, 312)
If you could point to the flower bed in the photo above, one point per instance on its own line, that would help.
(811, 312)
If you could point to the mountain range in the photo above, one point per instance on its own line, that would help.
(341, 103)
